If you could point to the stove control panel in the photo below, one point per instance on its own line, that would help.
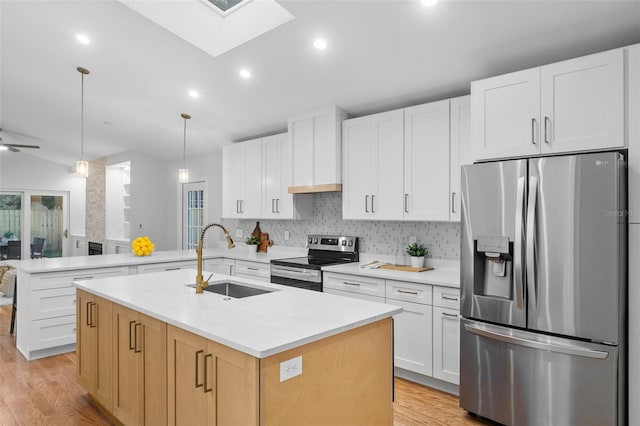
(333, 243)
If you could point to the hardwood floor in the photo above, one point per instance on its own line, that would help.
(45, 392)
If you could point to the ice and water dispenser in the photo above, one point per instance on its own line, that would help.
(493, 263)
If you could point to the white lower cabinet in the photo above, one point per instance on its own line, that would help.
(412, 337)
(426, 333)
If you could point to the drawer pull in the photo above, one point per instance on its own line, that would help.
(449, 315)
(131, 347)
(207, 389)
(88, 277)
(415, 293)
(91, 310)
(198, 385)
(455, 299)
(88, 316)
(252, 269)
(177, 268)
(352, 284)
(135, 338)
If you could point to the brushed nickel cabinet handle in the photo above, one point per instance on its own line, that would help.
(449, 315)
(546, 130)
(455, 299)
(406, 203)
(415, 293)
(533, 131)
(366, 204)
(207, 389)
(198, 385)
(277, 205)
(453, 202)
(352, 284)
(372, 198)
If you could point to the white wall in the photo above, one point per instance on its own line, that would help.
(208, 168)
(21, 171)
(149, 197)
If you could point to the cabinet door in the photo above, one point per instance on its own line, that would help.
(446, 345)
(505, 118)
(388, 165)
(460, 149)
(87, 345)
(103, 317)
(127, 369)
(412, 337)
(251, 202)
(358, 165)
(152, 344)
(232, 179)
(633, 97)
(426, 162)
(301, 142)
(583, 103)
(187, 401)
(272, 176)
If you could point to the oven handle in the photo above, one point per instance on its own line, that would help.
(296, 273)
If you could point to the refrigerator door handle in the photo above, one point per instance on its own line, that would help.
(551, 347)
(531, 242)
(517, 245)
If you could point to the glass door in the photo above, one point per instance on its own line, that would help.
(48, 230)
(193, 204)
(11, 224)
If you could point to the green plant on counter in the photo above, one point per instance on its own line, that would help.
(252, 241)
(416, 250)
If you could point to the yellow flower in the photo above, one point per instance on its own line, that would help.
(142, 246)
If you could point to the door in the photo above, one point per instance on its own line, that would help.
(426, 162)
(583, 103)
(505, 121)
(492, 242)
(520, 378)
(412, 337)
(128, 391)
(193, 210)
(358, 168)
(576, 245)
(446, 344)
(387, 164)
(48, 225)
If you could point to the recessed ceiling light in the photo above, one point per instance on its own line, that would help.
(82, 39)
(320, 44)
(3, 148)
(429, 2)
(245, 73)
(194, 94)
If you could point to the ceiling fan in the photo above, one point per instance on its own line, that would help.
(13, 147)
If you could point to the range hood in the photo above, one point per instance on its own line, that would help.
(311, 189)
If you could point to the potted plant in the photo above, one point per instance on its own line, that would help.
(253, 243)
(416, 252)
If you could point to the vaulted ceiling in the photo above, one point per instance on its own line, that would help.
(381, 54)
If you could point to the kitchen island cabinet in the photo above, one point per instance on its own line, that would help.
(278, 358)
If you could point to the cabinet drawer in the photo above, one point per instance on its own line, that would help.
(354, 284)
(52, 332)
(410, 292)
(51, 303)
(64, 279)
(253, 269)
(167, 266)
(354, 295)
(446, 297)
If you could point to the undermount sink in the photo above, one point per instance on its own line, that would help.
(237, 291)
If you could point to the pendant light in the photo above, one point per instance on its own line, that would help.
(82, 166)
(183, 173)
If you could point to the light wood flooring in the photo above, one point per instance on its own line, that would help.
(45, 392)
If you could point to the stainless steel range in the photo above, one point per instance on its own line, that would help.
(305, 272)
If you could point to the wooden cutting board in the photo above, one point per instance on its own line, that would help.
(406, 268)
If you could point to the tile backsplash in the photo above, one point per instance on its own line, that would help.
(442, 239)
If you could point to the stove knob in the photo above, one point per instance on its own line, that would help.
(310, 241)
(344, 242)
(350, 243)
(315, 241)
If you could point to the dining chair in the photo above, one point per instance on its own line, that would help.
(14, 249)
(36, 248)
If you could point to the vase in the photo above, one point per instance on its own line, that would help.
(417, 261)
(253, 248)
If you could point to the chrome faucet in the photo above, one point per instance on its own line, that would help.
(201, 283)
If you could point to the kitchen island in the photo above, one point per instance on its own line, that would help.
(288, 356)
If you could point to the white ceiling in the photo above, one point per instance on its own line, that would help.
(382, 54)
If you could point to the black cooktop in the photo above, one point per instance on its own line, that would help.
(308, 262)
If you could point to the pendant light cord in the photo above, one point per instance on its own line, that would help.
(184, 145)
(82, 117)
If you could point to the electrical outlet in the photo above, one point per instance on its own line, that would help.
(239, 233)
(413, 240)
(286, 235)
(290, 368)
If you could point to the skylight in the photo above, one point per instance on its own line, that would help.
(226, 6)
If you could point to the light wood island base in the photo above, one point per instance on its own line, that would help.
(346, 378)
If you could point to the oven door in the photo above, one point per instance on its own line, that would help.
(308, 279)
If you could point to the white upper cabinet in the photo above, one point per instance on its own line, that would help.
(460, 149)
(315, 145)
(373, 158)
(426, 162)
(633, 105)
(506, 115)
(583, 103)
(242, 180)
(277, 203)
(574, 105)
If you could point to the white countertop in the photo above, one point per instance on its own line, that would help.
(446, 276)
(126, 259)
(260, 326)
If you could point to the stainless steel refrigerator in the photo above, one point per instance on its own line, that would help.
(543, 281)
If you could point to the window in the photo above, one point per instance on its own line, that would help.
(193, 195)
